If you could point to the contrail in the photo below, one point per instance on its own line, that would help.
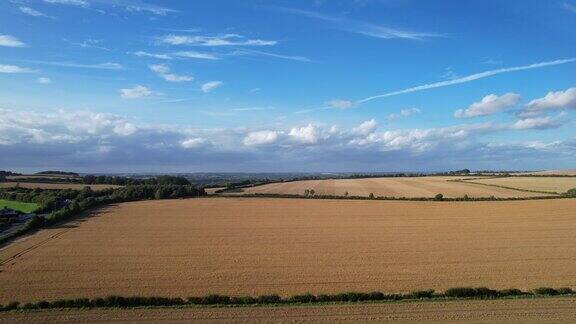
(468, 78)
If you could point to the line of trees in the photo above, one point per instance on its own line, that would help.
(215, 299)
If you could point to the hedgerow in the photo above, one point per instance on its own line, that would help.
(215, 299)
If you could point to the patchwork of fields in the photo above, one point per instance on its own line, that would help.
(416, 187)
(253, 246)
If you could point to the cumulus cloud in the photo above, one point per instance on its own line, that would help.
(489, 105)
(93, 140)
(163, 71)
(366, 127)
(14, 69)
(210, 86)
(213, 41)
(547, 122)
(554, 100)
(260, 138)
(10, 41)
(136, 92)
(44, 80)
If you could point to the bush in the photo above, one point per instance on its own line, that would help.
(466, 292)
(439, 197)
(546, 291)
(565, 291)
(307, 298)
(571, 192)
(268, 299)
(511, 292)
(421, 294)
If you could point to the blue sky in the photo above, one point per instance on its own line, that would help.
(389, 85)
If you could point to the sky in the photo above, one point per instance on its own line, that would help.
(287, 86)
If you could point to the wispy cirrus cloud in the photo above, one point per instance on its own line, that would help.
(10, 41)
(210, 86)
(469, 78)
(360, 27)
(99, 66)
(163, 71)
(128, 5)
(570, 7)
(33, 12)
(213, 41)
(14, 69)
(241, 52)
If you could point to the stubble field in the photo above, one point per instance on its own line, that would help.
(252, 246)
(416, 187)
(544, 184)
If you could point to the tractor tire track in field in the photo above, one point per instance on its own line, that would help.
(14, 257)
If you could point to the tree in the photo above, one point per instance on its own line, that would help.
(371, 196)
(439, 197)
(312, 192)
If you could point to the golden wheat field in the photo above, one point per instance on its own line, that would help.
(42, 185)
(556, 310)
(416, 187)
(254, 246)
(545, 184)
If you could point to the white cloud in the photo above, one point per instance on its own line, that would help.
(136, 92)
(547, 122)
(362, 28)
(191, 143)
(340, 104)
(196, 55)
(469, 78)
(309, 134)
(554, 100)
(260, 138)
(156, 56)
(32, 12)
(366, 127)
(10, 41)
(44, 80)
(210, 86)
(14, 69)
(489, 105)
(93, 43)
(98, 66)
(407, 112)
(80, 3)
(254, 90)
(212, 41)
(163, 71)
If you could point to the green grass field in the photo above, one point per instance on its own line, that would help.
(21, 206)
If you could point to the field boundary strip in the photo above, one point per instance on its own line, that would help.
(501, 186)
(214, 300)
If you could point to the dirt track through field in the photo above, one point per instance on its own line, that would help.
(553, 310)
(416, 187)
(252, 246)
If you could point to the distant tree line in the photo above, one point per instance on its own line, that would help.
(215, 299)
(59, 173)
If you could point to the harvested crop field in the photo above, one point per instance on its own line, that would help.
(557, 310)
(416, 187)
(42, 185)
(544, 184)
(252, 246)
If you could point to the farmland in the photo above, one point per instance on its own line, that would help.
(252, 246)
(543, 184)
(20, 206)
(410, 187)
